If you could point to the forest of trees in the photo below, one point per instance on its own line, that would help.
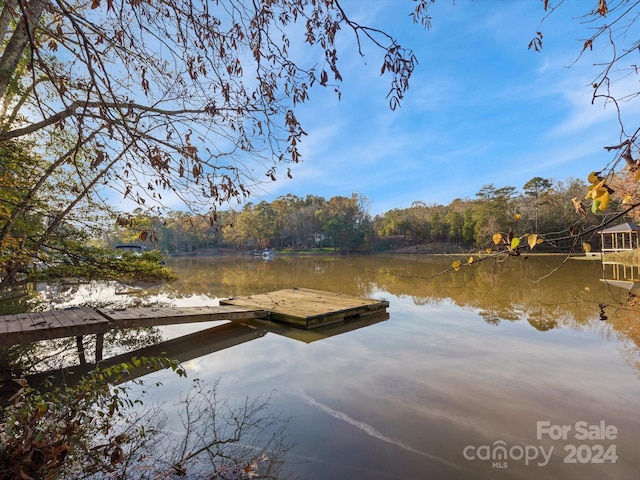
(146, 101)
(343, 224)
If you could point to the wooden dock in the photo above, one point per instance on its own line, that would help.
(155, 316)
(30, 327)
(299, 307)
(306, 308)
(73, 322)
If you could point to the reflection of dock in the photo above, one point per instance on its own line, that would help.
(621, 275)
(320, 333)
(182, 349)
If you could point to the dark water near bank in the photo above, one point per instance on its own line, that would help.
(473, 375)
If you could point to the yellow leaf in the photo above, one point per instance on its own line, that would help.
(539, 241)
(497, 238)
(488, 250)
(627, 199)
(532, 240)
(599, 192)
(586, 246)
(517, 217)
(593, 178)
(604, 201)
(515, 241)
(470, 261)
(456, 265)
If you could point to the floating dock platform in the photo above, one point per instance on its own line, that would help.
(306, 308)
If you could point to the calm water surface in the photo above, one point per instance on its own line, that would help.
(466, 362)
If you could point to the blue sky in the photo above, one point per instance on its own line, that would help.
(481, 108)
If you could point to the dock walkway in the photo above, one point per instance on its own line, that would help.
(299, 307)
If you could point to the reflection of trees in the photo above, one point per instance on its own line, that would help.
(505, 290)
(223, 277)
(542, 321)
(511, 289)
(626, 322)
(59, 353)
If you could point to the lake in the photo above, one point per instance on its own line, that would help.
(523, 368)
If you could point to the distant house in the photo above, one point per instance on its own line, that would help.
(135, 249)
(619, 238)
(317, 239)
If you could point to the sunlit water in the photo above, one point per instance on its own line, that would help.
(496, 355)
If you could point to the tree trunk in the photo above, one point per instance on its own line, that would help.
(6, 17)
(19, 41)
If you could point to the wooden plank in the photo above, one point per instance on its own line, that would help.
(25, 322)
(149, 317)
(32, 327)
(9, 324)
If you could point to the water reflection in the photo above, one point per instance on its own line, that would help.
(546, 292)
(203, 342)
(467, 358)
(621, 275)
(536, 289)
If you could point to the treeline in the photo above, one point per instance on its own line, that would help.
(343, 224)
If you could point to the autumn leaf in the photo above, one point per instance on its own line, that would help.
(627, 199)
(497, 238)
(515, 241)
(593, 177)
(470, 261)
(603, 9)
(579, 207)
(117, 455)
(488, 250)
(517, 217)
(532, 240)
(596, 192)
(604, 201)
(586, 246)
(456, 265)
